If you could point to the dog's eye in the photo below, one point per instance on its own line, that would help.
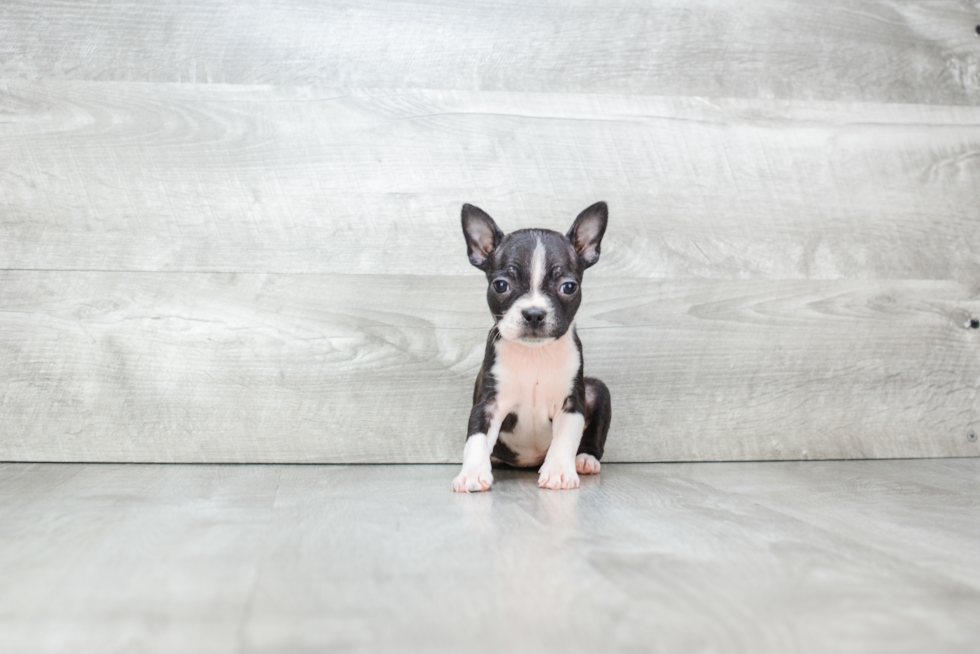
(569, 287)
(500, 286)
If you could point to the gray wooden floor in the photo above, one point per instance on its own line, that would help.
(860, 556)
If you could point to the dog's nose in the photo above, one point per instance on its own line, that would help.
(534, 317)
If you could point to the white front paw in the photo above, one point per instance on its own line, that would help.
(557, 476)
(586, 464)
(473, 481)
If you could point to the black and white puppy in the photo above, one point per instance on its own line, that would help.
(532, 405)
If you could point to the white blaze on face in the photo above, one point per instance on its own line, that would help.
(537, 271)
(511, 326)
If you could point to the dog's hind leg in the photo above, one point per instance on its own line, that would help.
(598, 414)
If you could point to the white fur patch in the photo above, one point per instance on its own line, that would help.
(537, 268)
(476, 475)
(558, 470)
(533, 384)
(558, 475)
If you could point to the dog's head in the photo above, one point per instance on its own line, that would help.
(534, 275)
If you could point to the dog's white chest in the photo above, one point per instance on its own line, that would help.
(533, 383)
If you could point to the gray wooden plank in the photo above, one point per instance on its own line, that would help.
(113, 558)
(729, 558)
(873, 50)
(305, 368)
(896, 502)
(256, 179)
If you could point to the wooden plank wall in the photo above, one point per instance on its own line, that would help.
(229, 230)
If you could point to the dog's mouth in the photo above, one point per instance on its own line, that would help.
(541, 335)
(528, 337)
(537, 332)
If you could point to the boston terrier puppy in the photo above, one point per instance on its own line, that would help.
(532, 405)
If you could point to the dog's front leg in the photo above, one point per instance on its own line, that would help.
(476, 474)
(558, 470)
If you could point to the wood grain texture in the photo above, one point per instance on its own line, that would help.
(822, 494)
(304, 368)
(229, 231)
(850, 557)
(872, 50)
(241, 179)
(146, 549)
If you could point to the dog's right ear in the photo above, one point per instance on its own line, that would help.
(481, 233)
(586, 232)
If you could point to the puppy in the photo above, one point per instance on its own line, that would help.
(533, 405)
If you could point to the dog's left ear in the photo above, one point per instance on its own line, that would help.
(587, 230)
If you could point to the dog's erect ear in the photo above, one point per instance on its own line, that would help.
(587, 230)
(481, 233)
